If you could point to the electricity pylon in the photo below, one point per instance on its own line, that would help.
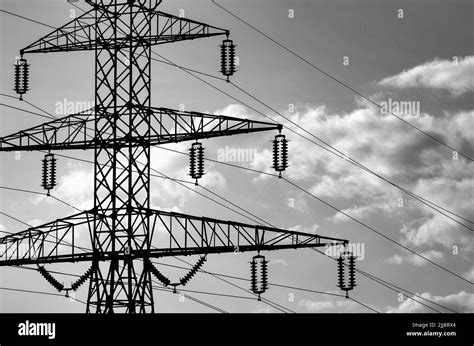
(118, 235)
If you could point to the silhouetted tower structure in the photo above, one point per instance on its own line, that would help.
(121, 233)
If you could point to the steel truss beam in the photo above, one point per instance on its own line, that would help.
(80, 34)
(77, 131)
(171, 234)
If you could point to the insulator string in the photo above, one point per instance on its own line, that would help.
(22, 75)
(163, 279)
(258, 286)
(48, 181)
(55, 283)
(75, 285)
(346, 272)
(227, 58)
(196, 161)
(280, 153)
(183, 281)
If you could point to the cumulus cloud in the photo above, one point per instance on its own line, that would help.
(462, 302)
(440, 74)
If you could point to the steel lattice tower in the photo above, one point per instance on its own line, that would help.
(121, 129)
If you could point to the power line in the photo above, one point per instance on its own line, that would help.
(340, 82)
(36, 292)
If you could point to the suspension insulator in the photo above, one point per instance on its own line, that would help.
(196, 161)
(49, 172)
(82, 279)
(280, 153)
(183, 281)
(258, 267)
(163, 279)
(227, 58)
(55, 283)
(346, 272)
(22, 75)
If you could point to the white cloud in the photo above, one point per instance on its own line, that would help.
(437, 74)
(462, 302)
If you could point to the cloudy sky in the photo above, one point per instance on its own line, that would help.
(416, 53)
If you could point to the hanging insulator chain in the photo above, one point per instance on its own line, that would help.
(346, 272)
(193, 271)
(196, 161)
(82, 279)
(258, 286)
(49, 172)
(227, 58)
(22, 75)
(55, 283)
(163, 279)
(352, 272)
(253, 276)
(280, 153)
